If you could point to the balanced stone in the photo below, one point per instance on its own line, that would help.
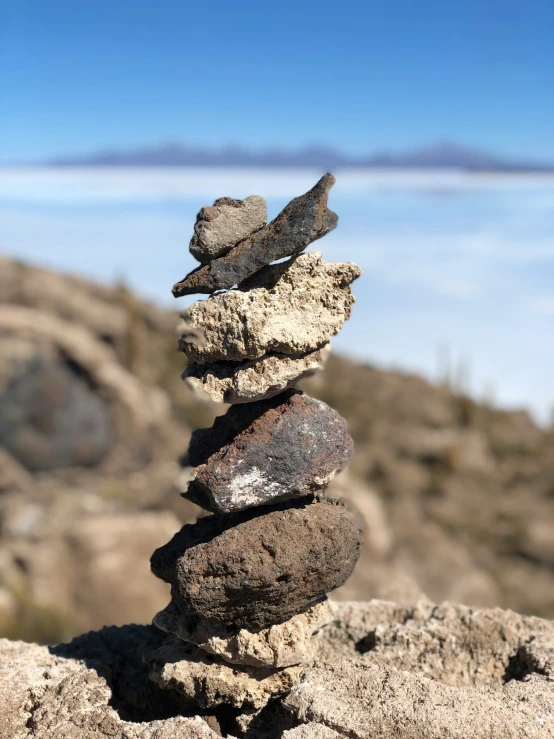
(210, 682)
(220, 227)
(291, 308)
(245, 382)
(260, 453)
(261, 566)
(281, 645)
(302, 221)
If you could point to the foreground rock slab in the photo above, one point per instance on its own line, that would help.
(281, 645)
(246, 382)
(221, 226)
(302, 221)
(453, 644)
(285, 447)
(261, 566)
(381, 670)
(289, 308)
(62, 693)
(362, 700)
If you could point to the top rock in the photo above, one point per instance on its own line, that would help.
(302, 221)
(220, 227)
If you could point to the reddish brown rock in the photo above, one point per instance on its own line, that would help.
(259, 453)
(261, 566)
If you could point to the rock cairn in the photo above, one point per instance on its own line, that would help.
(249, 583)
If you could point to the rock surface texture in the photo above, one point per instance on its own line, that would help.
(380, 670)
(221, 226)
(261, 566)
(281, 645)
(245, 382)
(302, 221)
(291, 308)
(264, 452)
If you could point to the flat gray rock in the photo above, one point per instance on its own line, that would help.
(261, 566)
(292, 308)
(260, 453)
(220, 227)
(251, 380)
(301, 222)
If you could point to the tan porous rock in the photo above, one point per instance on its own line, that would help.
(281, 645)
(429, 672)
(220, 227)
(361, 700)
(451, 643)
(289, 308)
(47, 694)
(248, 381)
(380, 670)
(312, 731)
(210, 682)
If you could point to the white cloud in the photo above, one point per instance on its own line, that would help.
(543, 304)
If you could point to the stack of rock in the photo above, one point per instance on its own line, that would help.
(249, 583)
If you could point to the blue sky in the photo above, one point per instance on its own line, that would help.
(84, 75)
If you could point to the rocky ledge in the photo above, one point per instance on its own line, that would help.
(378, 670)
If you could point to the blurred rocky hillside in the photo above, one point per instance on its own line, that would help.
(457, 498)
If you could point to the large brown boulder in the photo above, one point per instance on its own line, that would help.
(261, 566)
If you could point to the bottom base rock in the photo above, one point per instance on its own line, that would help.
(397, 672)
(210, 682)
(362, 700)
(282, 645)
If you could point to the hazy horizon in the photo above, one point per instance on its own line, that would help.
(438, 154)
(79, 77)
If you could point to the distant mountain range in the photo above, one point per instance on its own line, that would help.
(436, 156)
